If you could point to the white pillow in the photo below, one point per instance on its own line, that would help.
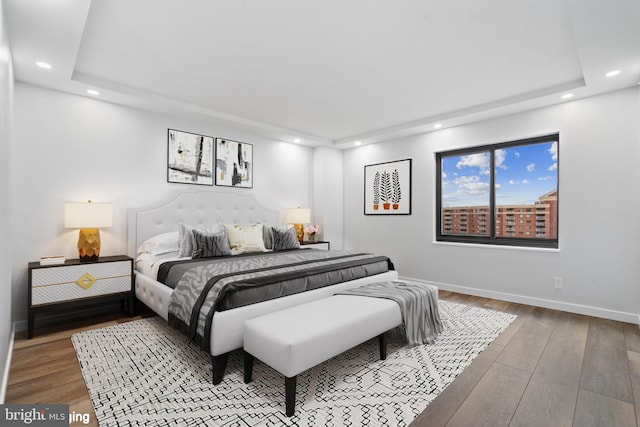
(245, 238)
(160, 244)
(185, 237)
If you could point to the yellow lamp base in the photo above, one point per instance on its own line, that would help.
(89, 244)
(299, 232)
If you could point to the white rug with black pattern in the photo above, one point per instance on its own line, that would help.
(142, 373)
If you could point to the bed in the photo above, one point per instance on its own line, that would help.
(199, 208)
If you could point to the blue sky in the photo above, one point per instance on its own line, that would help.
(523, 174)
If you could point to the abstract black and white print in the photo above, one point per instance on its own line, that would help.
(234, 163)
(190, 158)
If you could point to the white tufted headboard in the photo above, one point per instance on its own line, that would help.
(194, 208)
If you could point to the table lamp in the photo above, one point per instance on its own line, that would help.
(88, 217)
(298, 217)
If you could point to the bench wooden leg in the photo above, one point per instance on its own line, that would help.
(219, 366)
(248, 367)
(382, 340)
(290, 394)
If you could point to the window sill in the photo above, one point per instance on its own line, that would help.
(507, 247)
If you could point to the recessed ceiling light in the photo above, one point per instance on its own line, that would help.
(612, 73)
(93, 92)
(358, 143)
(437, 126)
(567, 96)
(44, 65)
(296, 140)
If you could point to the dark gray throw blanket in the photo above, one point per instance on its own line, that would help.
(418, 305)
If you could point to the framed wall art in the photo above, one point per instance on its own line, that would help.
(387, 188)
(234, 163)
(190, 158)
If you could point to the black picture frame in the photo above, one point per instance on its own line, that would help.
(387, 188)
(234, 163)
(189, 158)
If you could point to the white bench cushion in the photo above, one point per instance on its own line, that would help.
(298, 338)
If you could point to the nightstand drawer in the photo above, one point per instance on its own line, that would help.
(71, 291)
(73, 273)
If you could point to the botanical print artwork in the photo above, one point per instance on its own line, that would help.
(190, 158)
(388, 188)
(234, 163)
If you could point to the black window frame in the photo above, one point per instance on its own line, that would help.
(492, 239)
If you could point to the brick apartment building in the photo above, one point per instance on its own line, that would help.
(520, 221)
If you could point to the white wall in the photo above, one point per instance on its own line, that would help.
(599, 231)
(328, 195)
(71, 148)
(6, 102)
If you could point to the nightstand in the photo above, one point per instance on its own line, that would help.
(316, 244)
(70, 285)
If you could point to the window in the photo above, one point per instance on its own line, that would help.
(489, 184)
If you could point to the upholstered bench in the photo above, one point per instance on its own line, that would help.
(298, 338)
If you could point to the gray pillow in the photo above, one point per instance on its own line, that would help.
(185, 238)
(267, 233)
(207, 245)
(283, 240)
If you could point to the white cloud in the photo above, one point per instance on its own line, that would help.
(531, 167)
(553, 150)
(512, 182)
(471, 185)
(444, 174)
(474, 188)
(479, 160)
(546, 178)
(501, 156)
(465, 180)
(517, 154)
(525, 181)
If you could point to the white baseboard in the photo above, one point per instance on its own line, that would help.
(7, 366)
(604, 313)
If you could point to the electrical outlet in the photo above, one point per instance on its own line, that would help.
(558, 282)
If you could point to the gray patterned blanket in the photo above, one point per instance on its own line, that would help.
(202, 287)
(418, 305)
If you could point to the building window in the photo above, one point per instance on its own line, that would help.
(492, 183)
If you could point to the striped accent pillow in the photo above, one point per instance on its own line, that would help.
(207, 245)
(267, 233)
(184, 234)
(283, 240)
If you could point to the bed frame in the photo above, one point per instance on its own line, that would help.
(206, 207)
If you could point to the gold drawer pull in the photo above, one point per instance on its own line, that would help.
(86, 281)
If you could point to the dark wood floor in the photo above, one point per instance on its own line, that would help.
(548, 368)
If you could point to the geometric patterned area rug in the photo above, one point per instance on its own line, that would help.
(144, 373)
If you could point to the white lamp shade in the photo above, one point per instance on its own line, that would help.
(298, 216)
(88, 215)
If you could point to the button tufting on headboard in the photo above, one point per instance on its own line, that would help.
(195, 207)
